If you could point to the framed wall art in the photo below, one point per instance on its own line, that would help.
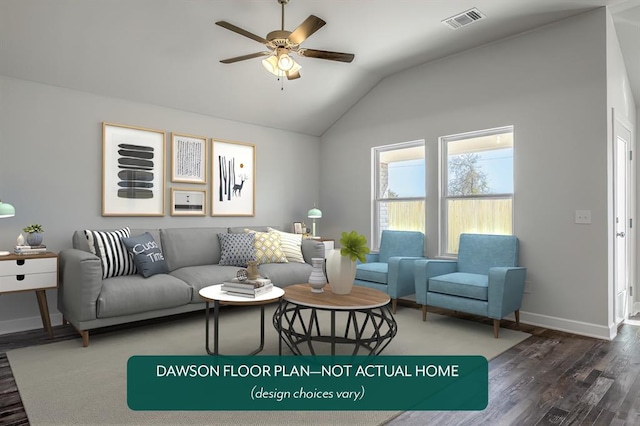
(132, 171)
(233, 179)
(188, 202)
(188, 158)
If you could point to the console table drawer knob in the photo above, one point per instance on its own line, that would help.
(20, 262)
(19, 277)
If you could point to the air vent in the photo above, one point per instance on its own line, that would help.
(464, 19)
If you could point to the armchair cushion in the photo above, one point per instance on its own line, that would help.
(461, 284)
(376, 272)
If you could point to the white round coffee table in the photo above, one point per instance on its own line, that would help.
(215, 294)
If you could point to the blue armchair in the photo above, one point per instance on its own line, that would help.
(485, 280)
(391, 269)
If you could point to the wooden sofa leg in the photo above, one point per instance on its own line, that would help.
(496, 327)
(424, 312)
(394, 305)
(517, 314)
(85, 338)
(64, 321)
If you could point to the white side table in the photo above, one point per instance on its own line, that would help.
(215, 294)
(31, 272)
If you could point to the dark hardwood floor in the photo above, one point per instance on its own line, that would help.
(552, 378)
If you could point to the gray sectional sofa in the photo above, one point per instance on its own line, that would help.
(88, 301)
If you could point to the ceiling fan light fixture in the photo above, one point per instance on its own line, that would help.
(271, 65)
(285, 62)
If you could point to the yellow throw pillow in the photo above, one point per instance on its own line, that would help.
(267, 247)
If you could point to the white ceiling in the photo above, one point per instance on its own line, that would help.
(167, 52)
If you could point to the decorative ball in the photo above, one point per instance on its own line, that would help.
(241, 275)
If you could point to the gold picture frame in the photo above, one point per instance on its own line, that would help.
(233, 178)
(133, 176)
(188, 158)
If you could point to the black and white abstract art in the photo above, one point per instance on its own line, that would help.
(233, 178)
(132, 171)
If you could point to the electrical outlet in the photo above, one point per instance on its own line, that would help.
(527, 287)
(583, 217)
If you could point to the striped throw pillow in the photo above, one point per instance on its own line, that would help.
(291, 245)
(113, 254)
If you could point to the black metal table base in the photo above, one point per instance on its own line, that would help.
(298, 326)
(216, 314)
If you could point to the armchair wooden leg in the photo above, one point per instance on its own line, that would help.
(64, 321)
(424, 312)
(517, 314)
(496, 327)
(394, 305)
(85, 338)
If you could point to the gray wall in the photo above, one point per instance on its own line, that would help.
(551, 85)
(51, 170)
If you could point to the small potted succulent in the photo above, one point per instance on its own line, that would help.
(341, 264)
(34, 234)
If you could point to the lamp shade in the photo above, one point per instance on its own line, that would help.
(6, 210)
(314, 213)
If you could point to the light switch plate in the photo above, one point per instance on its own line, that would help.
(583, 216)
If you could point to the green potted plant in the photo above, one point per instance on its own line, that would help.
(341, 264)
(34, 234)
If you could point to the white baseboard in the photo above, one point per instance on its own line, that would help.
(567, 325)
(28, 323)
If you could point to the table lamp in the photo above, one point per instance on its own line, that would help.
(6, 210)
(314, 214)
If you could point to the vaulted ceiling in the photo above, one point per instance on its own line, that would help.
(167, 52)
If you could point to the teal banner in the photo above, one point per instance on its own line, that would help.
(307, 383)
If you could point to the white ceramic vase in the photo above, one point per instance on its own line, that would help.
(341, 272)
(317, 280)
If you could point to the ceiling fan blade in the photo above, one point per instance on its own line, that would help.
(231, 27)
(293, 75)
(304, 30)
(324, 54)
(244, 57)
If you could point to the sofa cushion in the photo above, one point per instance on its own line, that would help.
(474, 286)
(190, 246)
(134, 294)
(376, 272)
(267, 247)
(285, 274)
(146, 255)
(236, 249)
(291, 245)
(199, 277)
(113, 254)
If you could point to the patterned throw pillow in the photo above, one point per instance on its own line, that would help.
(291, 245)
(236, 249)
(267, 247)
(113, 254)
(146, 254)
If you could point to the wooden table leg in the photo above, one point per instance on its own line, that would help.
(44, 311)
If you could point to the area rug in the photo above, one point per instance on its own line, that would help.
(63, 383)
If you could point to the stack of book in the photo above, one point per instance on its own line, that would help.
(41, 248)
(248, 288)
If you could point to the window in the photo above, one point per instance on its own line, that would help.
(399, 188)
(477, 185)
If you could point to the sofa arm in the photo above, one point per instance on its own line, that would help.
(79, 285)
(506, 287)
(425, 269)
(312, 248)
(400, 276)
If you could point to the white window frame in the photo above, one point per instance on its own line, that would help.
(443, 184)
(376, 199)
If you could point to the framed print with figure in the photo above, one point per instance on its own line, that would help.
(233, 179)
(188, 158)
(188, 202)
(132, 171)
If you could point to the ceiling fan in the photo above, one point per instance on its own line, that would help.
(282, 43)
